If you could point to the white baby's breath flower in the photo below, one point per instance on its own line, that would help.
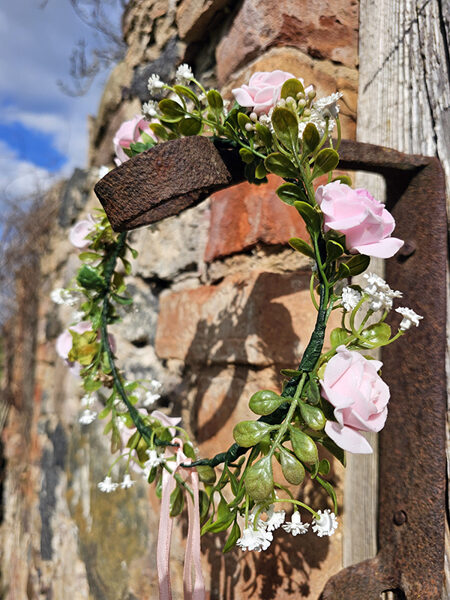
(154, 460)
(149, 109)
(328, 106)
(274, 519)
(87, 417)
(127, 482)
(409, 318)
(150, 398)
(325, 524)
(254, 539)
(62, 296)
(155, 385)
(380, 294)
(350, 298)
(295, 525)
(154, 83)
(87, 400)
(184, 74)
(107, 485)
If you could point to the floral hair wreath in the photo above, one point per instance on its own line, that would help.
(279, 127)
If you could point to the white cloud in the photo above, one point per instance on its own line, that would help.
(20, 179)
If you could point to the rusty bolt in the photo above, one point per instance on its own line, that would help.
(400, 517)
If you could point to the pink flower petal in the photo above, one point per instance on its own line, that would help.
(382, 249)
(347, 438)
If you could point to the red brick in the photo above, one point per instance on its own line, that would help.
(328, 30)
(246, 214)
(254, 318)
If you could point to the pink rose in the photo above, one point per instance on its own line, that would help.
(360, 397)
(165, 420)
(128, 133)
(364, 221)
(79, 232)
(263, 90)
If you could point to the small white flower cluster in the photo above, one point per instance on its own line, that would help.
(151, 395)
(350, 298)
(380, 294)
(328, 107)
(62, 296)
(325, 524)
(149, 110)
(154, 83)
(88, 415)
(409, 317)
(258, 536)
(108, 485)
(184, 74)
(154, 460)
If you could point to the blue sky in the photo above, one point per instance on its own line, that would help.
(43, 132)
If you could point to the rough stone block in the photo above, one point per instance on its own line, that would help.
(329, 30)
(326, 76)
(194, 16)
(251, 318)
(246, 214)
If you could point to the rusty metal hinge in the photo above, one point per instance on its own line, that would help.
(176, 175)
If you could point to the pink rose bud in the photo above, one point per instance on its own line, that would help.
(79, 232)
(360, 397)
(263, 90)
(364, 221)
(128, 133)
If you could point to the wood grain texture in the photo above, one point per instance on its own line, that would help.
(404, 96)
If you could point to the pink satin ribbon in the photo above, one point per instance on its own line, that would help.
(193, 589)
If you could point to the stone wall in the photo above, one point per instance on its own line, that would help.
(221, 304)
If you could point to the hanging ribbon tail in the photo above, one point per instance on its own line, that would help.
(192, 559)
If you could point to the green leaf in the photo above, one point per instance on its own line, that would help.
(302, 246)
(91, 385)
(313, 392)
(334, 251)
(338, 336)
(85, 256)
(246, 155)
(128, 152)
(243, 120)
(176, 502)
(309, 215)
(104, 413)
(285, 124)
(290, 193)
(260, 171)
(152, 475)
(290, 373)
(279, 164)
(122, 300)
(189, 127)
(265, 402)
(89, 278)
(224, 519)
(324, 466)
(326, 161)
(159, 131)
(259, 480)
(171, 110)
(343, 271)
(293, 470)
(138, 147)
(204, 504)
(313, 416)
(235, 534)
(378, 334)
(291, 88)
(249, 433)
(304, 447)
(264, 133)
(183, 90)
(215, 100)
(358, 264)
(189, 450)
(329, 488)
(343, 179)
(206, 474)
(147, 139)
(311, 139)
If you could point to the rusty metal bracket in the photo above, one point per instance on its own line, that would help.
(169, 178)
